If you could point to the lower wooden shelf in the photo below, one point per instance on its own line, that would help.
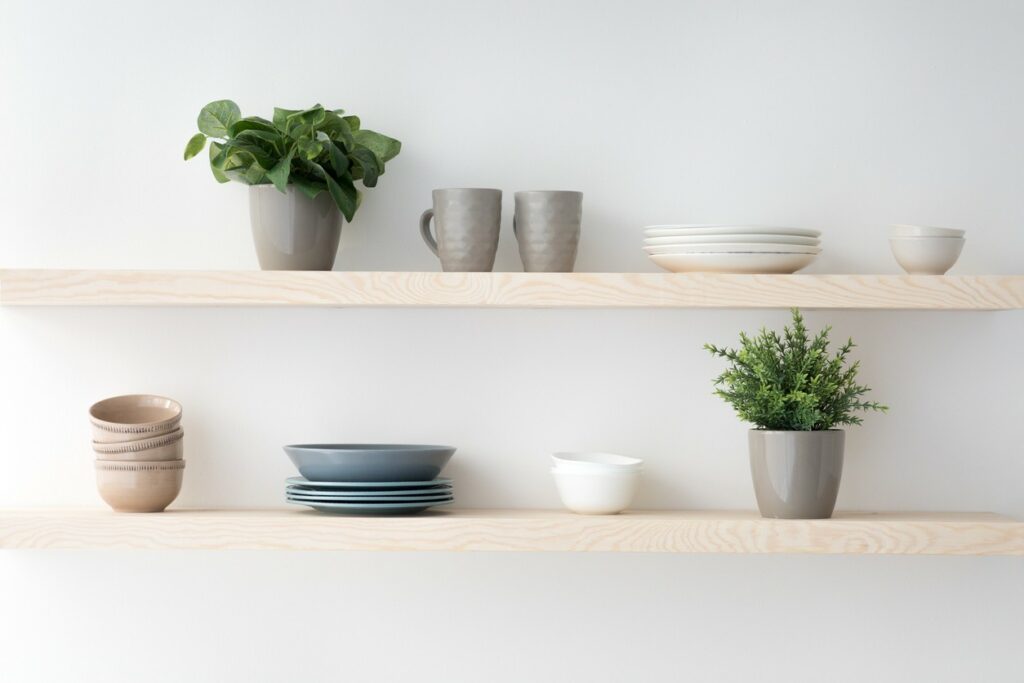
(902, 533)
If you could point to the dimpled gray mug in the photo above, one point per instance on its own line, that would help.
(467, 221)
(547, 227)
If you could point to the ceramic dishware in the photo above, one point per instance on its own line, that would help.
(168, 446)
(303, 483)
(139, 486)
(735, 248)
(467, 222)
(706, 229)
(903, 230)
(731, 239)
(133, 417)
(733, 263)
(595, 462)
(292, 231)
(369, 508)
(926, 255)
(598, 493)
(369, 462)
(547, 227)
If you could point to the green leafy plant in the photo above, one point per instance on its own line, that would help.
(790, 382)
(315, 149)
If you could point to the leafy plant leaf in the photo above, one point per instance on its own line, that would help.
(195, 145)
(215, 151)
(311, 188)
(309, 149)
(270, 142)
(281, 170)
(217, 117)
(302, 122)
(339, 161)
(384, 147)
(251, 123)
(337, 129)
(352, 121)
(368, 161)
(281, 118)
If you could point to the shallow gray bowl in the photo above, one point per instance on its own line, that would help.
(369, 461)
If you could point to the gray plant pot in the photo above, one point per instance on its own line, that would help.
(292, 231)
(796, 474)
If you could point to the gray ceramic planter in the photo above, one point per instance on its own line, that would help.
(292, 231)
(796, 474)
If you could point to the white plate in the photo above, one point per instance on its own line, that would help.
(732, 263)
(760, 239)
(681, 230)
(737, 248)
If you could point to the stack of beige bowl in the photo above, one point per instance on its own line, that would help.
(138, 442)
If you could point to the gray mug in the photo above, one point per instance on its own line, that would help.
(547, 227)
(467, 221)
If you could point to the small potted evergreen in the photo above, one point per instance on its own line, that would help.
(301, 169)
(796, 394)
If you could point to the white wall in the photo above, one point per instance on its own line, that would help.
(837, 115)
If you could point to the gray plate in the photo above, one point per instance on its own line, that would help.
(359, 485)
(367, 462)
(364, 509)
(374, 501)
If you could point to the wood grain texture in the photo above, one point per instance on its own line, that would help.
(516, 530)
(522, 290)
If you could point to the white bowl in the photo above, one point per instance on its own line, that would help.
(728, 239)
(737, 248)
(902, 230)
(598, 493)
(596, 463)
(732, 263)
(926, 255)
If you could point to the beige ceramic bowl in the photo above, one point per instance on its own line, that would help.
(139, 486)
(164, 447)
(133, 417)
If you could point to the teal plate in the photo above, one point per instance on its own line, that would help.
(384, 495)
(369, 501)
(364, 509)
(358, 485)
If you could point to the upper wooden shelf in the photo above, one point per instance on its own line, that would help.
(523, 290)
(909, 533)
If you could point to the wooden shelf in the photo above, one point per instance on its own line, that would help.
(910, 533)
(522, 290)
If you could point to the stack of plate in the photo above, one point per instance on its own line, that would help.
(375, 479)
(731, 248)
(378, 497)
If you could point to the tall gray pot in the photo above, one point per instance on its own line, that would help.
(292, 231)
(796, 474)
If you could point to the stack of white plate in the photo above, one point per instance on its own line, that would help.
(731, 248)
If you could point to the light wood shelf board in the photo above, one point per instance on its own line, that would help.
(926, 533)
(513, 290)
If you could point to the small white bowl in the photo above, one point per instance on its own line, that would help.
(902, 230)
(926, 255)
(595, 462)
(596, 493)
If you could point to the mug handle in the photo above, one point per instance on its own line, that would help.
(425, 230)
(515, 229)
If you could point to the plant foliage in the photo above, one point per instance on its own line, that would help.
(790, 382)
(315, 149)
